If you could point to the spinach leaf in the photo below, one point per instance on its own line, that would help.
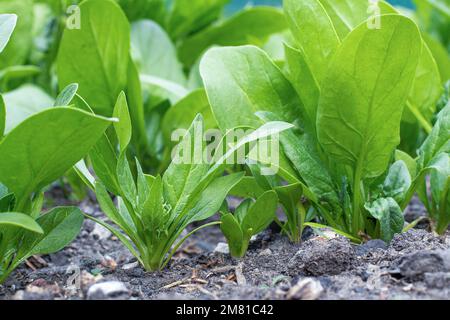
(96, 55)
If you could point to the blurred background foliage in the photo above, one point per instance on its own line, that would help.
(238, 4)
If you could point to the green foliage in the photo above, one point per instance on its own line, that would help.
(250, 218)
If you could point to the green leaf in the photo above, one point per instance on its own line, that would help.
(60, 225)
(187, 169)
(108, 206)
(233, 233)
(348, 14)
(66, 96)
(104, 162)
(249, 26)
(43, 147)
(18, 48)
(24, 102)
(126, 180)
(260, 214)
(212, 197)
(305, 158)
(242, 209)
(389, 215)
(364, 92)
(7, 25)
(397, 181)
(408, 160)
(2, 117)
(247, 188)
(440, 55)
(154, 216)
(123, 127)
(20, 220)
(240, 81)
(144, 9)
(438, 141)
(154, 53)
(314, 32)
(303, 80)
(426, 89)
(181, 115)
(188, 16)
(96, 55)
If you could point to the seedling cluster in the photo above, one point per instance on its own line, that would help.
(357, 104)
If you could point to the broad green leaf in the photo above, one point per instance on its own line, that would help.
(20, 220)
(389, 215)
(136, 105)
(154, 53)
(60, 226)
(346, 15)
(154, 215)
(11, 75)
(289, 196)
(187, 169)
(397, 181)
(233, 233)
(440, 55)
(411, 163)
(2, 117)
(45, 146)
(167, 89)
(440, 177)
(144, 9)
(260, 214)
(188, 16)
(438, 141)
(123, 127)
(104, 162)
(249, 26)
(240, 81)
(247, 187)
(24, 102)
(242, 209)
(126, 180)
(364, 92)
(426, 89)
(143, 187)
(66, 96)
(303, 80)
(314, 32)
(305, 158)
(18, 48)
(181, 115)
(212, 197)
(7, 25)
(96, 55)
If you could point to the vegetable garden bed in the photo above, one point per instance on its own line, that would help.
(157, 149)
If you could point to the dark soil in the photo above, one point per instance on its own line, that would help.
(416, 265)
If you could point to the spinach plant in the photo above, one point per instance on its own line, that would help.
(250, 218)
(33, 155)
(433, 165)
(346, 93)
(153, 211)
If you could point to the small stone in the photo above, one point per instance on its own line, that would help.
(266, 252)
(222, 248)
(305, 289)
(108, 290)
(130, 266)
(100, 232)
